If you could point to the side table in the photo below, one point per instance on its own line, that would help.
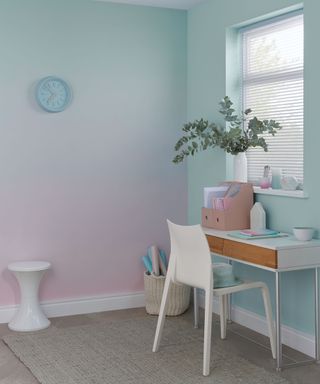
(30, 316)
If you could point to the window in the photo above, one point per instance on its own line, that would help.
(272, 86)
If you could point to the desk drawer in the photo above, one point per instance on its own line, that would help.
(215, 244)
(250, 253)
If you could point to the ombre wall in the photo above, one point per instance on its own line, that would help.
(90, 188)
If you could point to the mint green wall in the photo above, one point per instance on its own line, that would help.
(207, 27)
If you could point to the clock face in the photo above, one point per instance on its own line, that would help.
(53, 94)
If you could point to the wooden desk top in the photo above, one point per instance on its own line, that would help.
(277, 253)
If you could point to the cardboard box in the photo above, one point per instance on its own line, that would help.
(231, 211)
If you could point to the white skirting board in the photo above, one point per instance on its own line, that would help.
(297, 340)
(79, 306)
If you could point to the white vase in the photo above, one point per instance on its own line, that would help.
(257, 217)
(240, 167)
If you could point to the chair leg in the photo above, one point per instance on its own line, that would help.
(162, 314)
(223, 316)
(207, 332)
(195, 308)
(268, 310)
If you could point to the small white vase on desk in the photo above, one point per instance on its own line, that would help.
(257, 217)
(240, 167)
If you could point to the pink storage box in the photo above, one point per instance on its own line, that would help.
(233, 210)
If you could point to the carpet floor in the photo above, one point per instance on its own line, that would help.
(119, 352)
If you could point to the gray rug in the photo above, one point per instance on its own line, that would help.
(119, 352)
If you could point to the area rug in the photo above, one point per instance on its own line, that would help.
(119, 352)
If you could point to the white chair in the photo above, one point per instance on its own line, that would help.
(190, 263)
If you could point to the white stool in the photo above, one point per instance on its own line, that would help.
(30, 316)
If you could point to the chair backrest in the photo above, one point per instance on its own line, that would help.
(190, 258)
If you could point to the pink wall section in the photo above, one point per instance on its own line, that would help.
(90, 188)
(93, 244)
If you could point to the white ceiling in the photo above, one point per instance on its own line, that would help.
(177, 4)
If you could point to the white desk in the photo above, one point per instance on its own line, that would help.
(279, 254)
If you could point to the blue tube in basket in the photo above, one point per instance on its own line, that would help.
(163, 257)
(147, 263)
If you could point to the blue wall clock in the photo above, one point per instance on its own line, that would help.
(53, 94)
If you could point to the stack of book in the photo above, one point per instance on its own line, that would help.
(256, 234)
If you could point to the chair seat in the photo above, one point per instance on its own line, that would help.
(238, 288)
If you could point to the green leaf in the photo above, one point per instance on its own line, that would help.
(242, 134)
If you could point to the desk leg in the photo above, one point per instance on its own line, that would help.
(278, 323)
(229, 301)
(195, 308)
(229, 308)
(316, 302)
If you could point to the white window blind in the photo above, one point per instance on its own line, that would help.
(272, 86)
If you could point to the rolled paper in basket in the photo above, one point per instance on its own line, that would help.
(163, 257)
(163, 268)
(147, 263)
(153, 253)
(163, 262)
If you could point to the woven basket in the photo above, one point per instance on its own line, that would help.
(179, 296)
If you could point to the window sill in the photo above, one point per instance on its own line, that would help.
(281, 192)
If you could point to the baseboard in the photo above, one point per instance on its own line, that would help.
(79, 306)
(291, 337)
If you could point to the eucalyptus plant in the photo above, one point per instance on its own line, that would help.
(243, 133)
